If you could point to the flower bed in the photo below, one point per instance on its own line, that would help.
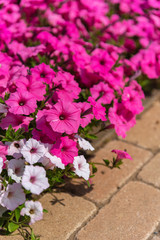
(67, 66)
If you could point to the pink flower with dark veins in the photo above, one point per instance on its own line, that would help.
(64, 117)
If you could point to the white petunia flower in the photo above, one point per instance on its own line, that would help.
(81, 167)
(50, 162)
(16, 169)
(12, 197)
(34, 179)
(15, 147)
(34, 210)
(1, 164)
(84, 144)
(32, 151)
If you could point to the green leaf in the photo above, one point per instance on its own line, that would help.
(1, 100)
(12, 135)
(6, 97)
(1, 222)
(94, 169)
(117, 165)
(33, 237)
(44, 210)
(12, 227)
(106, 161)
(91, 136)
(91, 176)
(88, 183)
(17, 214)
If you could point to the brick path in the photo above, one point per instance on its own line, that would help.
(121, 204)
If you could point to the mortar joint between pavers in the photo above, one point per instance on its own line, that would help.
(139, 146)
(73, 235)
(141, 168)
(156, 233)
(147, 183)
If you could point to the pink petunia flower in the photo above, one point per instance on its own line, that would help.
(98, 109)
(132, 100)
(122, 118)
(32, 85)
(64, 117)
(86, 113)
(103, 93)
(17, 121)
(121, 154)
(43, 72)
(66, 150)
(21, 103)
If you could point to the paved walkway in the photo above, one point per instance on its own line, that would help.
(121, 204)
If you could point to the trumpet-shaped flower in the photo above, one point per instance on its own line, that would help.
(16, 169)
(64, 117)
(34, 210)
(32, 151)
(34, 179)
(12, 197)
(81, 167)
(21, 103)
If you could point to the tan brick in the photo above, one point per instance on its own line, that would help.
(65, 214)
(146, 132)
(132, 214)
(151, 172)
(155, 238)
(106, 181)
(12, 237)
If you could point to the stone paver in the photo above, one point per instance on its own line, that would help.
(155, 238)
(106, 181)
(132, 214)
(146, 132)
(151, 172)
(12, 237)
(63, 217)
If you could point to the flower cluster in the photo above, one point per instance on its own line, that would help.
(66, 67)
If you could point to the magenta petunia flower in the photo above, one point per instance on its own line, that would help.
(121, 118)
(43, 72)
(64, 117)
(102, 93)
(132, 101)
(32, 85)
(66, 150)
(17, 121)
(98, 109)
(121, 154)
(86, 113)
(21, 103)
